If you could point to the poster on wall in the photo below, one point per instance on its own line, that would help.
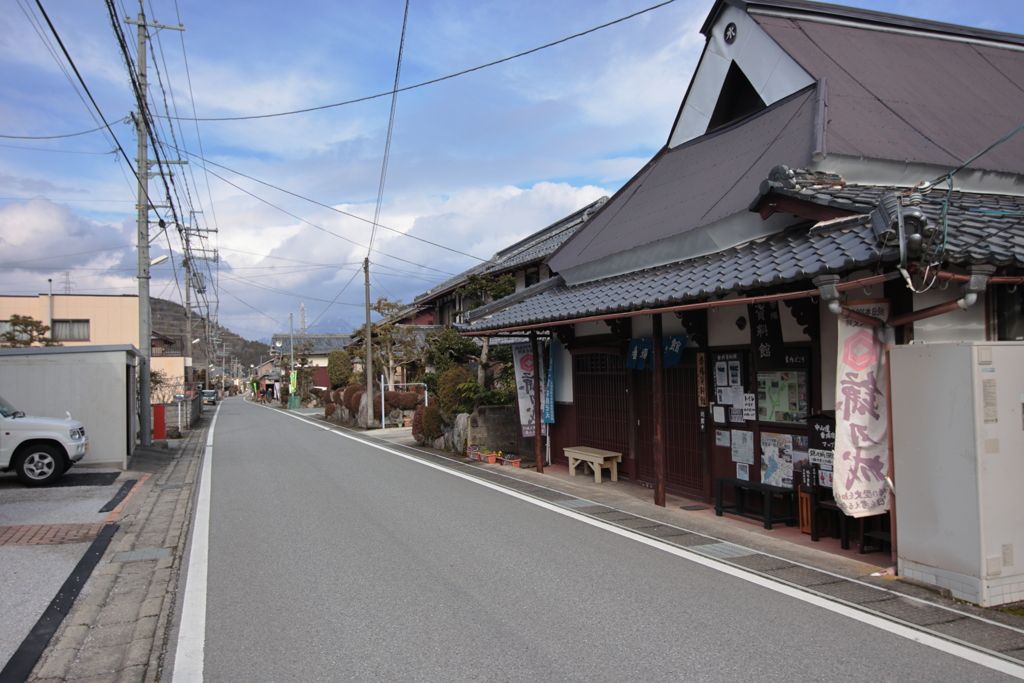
(821, 445)
(777, 459)
(722, 438)
(861, 461)
(735, 376)
(721, 374)
(743, 471)
(749, 407)
(526, 374)
(743, 446)
(783, 396)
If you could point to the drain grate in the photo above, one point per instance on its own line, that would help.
(576, 503)
(723, 551)
(170, 486)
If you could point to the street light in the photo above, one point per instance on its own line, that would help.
(158, 260)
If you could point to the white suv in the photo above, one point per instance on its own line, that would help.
(39, 449)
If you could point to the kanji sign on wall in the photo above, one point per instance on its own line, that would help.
(861, 459)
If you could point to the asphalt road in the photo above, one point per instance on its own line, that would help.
(332, 560)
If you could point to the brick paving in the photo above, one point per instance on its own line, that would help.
(48, 534)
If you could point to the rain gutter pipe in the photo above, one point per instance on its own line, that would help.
(842, 287)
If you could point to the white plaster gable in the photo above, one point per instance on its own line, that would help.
(772, 72)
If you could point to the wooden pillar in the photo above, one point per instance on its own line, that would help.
(659, 413)
(537, 407)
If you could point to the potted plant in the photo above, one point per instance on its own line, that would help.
(510, 459)
(488, 456)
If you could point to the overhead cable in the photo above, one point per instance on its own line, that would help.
(442, 78)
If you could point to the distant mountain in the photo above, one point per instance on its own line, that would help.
(169, 318)
(335, 325)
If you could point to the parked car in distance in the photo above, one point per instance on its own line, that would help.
(210, 397)
(39, 449)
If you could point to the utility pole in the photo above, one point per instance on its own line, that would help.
(142, 170)
(368, 340)
(291, 346)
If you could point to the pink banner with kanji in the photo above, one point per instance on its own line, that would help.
(861, 461)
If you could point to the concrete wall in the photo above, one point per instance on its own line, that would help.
(91, 385)
(494, 427)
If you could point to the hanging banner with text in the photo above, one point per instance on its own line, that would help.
(549, 387)
(861, 460)
(526, 374)
(766, 335)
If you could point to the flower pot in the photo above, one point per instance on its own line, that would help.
(511, 462)
(488, 458)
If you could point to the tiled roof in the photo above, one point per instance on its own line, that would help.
(975, 236)
(531, 249)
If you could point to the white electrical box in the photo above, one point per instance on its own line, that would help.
(958, 449)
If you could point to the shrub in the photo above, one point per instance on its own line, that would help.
(330, 409)
(408, 400)
(349, 393)
(355, 399)
(451, 392)
(417, 423)
(392, 399)
(316, 391)
(432, 423)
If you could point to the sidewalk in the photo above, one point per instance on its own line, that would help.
(116, 630)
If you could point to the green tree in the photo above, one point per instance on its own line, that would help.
(339, 368)
(25, 331)
(484, 289)
(393, 345)
(447, 348)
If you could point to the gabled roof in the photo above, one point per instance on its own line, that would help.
(982, 229)
(907, 90)
(531, 249)
(322, 343)
(692, 186)
(893, 90)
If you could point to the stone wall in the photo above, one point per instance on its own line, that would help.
(494, 428)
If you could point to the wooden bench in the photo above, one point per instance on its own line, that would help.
(769, 492)
(596, 458)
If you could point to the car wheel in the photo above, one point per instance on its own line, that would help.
(38, 465)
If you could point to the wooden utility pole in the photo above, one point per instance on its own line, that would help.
(537, 408)
(368, 342)
(659, 413)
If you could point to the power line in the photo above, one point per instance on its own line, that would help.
(314, 225)
(325, 206)
(391, 128)
(443, 78)
(86, 88)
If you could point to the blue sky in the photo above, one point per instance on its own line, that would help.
(477, 162)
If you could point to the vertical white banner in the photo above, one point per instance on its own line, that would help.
(526, 374)
(861, 461)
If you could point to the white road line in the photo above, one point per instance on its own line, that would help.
(957, 650)
(190, 653)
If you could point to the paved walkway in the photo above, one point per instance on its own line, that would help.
(121, 626)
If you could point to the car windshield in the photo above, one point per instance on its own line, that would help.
(209, 393)
(6, 409)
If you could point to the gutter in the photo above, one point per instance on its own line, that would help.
(722, 303)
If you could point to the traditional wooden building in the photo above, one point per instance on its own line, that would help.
(828, 166)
